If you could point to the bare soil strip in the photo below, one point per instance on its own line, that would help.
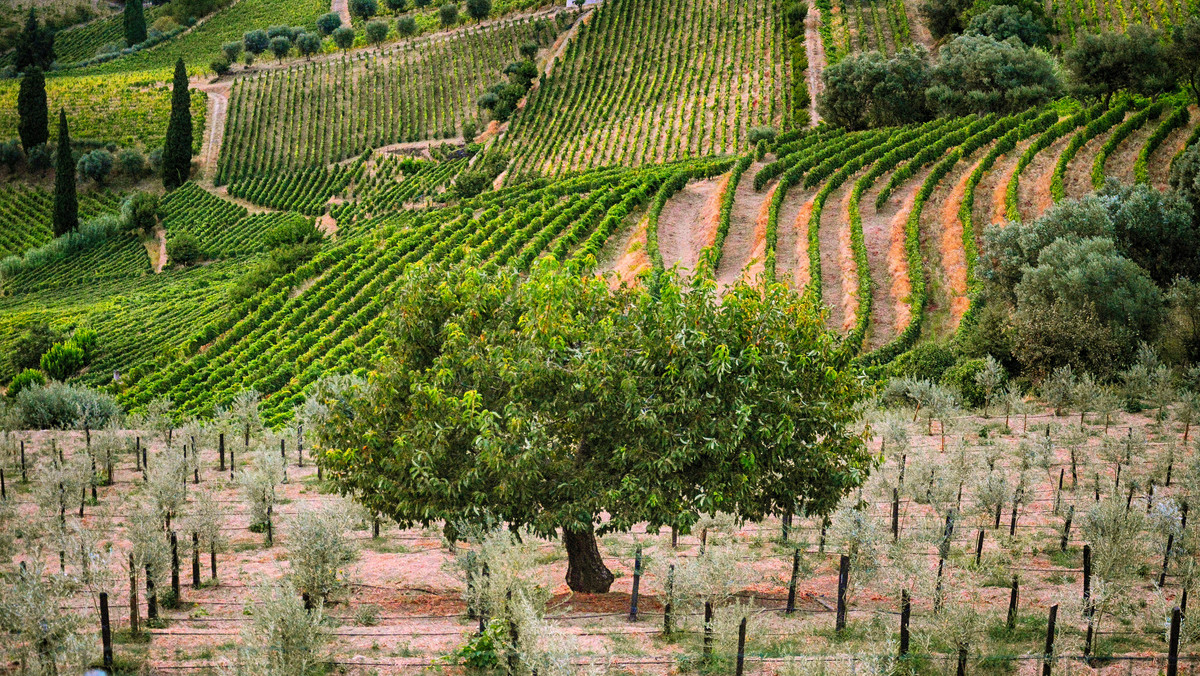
(745, 230)
(688, 223)
(951, 280)
(883, 234)
(1077, 180)
(214, 135)
(989, 194)
(815, 50)
(839, 279)
(1120, 162)
(791, 241)
(625, 257)
(1160, 161)
(1033, 192)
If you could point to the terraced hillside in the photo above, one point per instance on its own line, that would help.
(646, 81)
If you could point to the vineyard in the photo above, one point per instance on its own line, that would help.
(317, 113)
(646, 82)
(25, 212)
(127, 110)
(86, 41)
(1073, 17)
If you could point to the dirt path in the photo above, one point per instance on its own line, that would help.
(816, 59)
(920, 32)
(1077, 180)
(791, 242)
(747, 228)
(1033, 192)
(1160, 161)
(883, 234)
(839, 278)
(342, 9)
(214, 135)
(156, 248)
(1120, 162)
(626, 260)
(688, 223)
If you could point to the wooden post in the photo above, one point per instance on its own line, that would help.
(1048, 655)
(741, 650)
(905, 614)
(1170, 466)
(3, 488)
(283, 457)
(1012, 605)
(1150, 497)
(996, 525)
(212, 559)
(1162, 578)
(937, 587)
(175, 567)
(791, 600)
(979, 548)
(1012, 526)
(1183, 603)
(821, 542)
(703, 539)
(24, 475)
(843, 581)
(1173, 646)
(271, 531)
(708, 629)
(785, 529)
(674, 537)
(1067, 529)
(637, 583)
(1087, 578)
(300, 446)
(195, 559)
(668, 607)
(221, 451)
(105, 631)
(962, 661)
(1117, 483)
(1058, 493)
(133, 598)
(375, 527)
(232, 463)
(895, 514)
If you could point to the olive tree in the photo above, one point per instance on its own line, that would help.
(553, 402)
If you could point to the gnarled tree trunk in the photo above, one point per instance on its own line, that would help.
(586, 572)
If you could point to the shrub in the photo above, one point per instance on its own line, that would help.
(479, 9)
(131, 162)
(56, 405)
(184, 248)
(11, 155)
(220, 65)
(40, 159)
(308, 44)
(344, 37)
(471, 183)
(761, 134)
(377, 31)
(31, 344)
(95, 165)
(63, 360)
(284, 639)
(448, 14)
(24, 379)
(298, 230)
(256, 41)
(328, 23)
(319, 551)
(232, 50)
(963, 378)
(928, 361)
(364, 9)
(140, 211)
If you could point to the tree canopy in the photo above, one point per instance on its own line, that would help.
(551, 402)
(1103, 64)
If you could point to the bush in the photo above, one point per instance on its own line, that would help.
(11, 155)
(31, 344)
(95, 165)
(56, 405)
(328, 23)
(364, 9)
(308, 44)
(762, 134)
(928, 361)
(40, 158)
(256, 42)
(232, 50)
(297, 230)
(25, 379)
(140, 212)
(87, 340)
(131, 162)
(377, 31)
(184, 248)
(220, 65)
(63, 360)
(471, 183)
(398, 6)
(448, 14)
(344, 37)
(479, 9)
(963, 378)
(319, 551)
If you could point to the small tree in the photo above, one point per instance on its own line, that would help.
(259, 483)
(66, 202)
(284, 638)
(135, 23)
(96, 165)
(448, 13)
(344, 38)
(280, 46)
(177, 150)
(131, 163)
(319, 551)
(990, 380)
(398, 6)
(34, 125)
(165, 482)
(364, 9)
(1059, 388)
(406, 26)
(377, 31)
(205, 521)
(11, 155)
(529, 50)
(33, 607)
(308, 44)
(328, 23)
(232, 50)
(257, 41)
(479, 9)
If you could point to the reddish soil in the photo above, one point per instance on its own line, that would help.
(630, 259)
(1077, 181)
(747, 229)
(1120, 162)
(839, 276)
(1033, 191)
(883, 234)
(688, 223)
(1160, 161)
(953, 268)
(815, 50)
(791, 241)
(994, 186)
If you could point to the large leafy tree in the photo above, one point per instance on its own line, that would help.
(555, 404)
(135, 22)
(1106, 63)
(871, 90)
(34, 126)
(177, 153)
(1184, 53)
(66, 202)
(979, 74)
(35, 46)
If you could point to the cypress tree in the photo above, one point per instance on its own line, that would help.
(35, 46)
(177, 153)
(66, 205)
(135, 22)
(34, 127)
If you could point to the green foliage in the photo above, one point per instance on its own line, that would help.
(343, 37)
(364, 9)
(140, 211)
(24, 379)
(63, 360)
(131, 162)
(1183, 52)
(308, 44)
(1156, 230)
(31, 344)
(280, 46)
(1002, 22)
(479, 9)
(978, 74)
(96, 165)
(448, 14)
(256, 41)
(34, 127)
(328, 23)
(184, 249)
(376, 31)
(636, 338)
(295, 230)
(135, 22)
(35, 47)
(406, 26)
(944, 17)
(66, 204)
(1106, 63)
(871, 90)
(927, 361)
(963, 378)
(57, 405)
(482, 651)
(177, 151)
